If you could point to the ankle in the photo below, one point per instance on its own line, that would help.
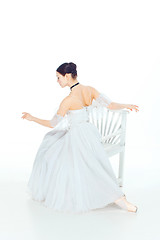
(121, 198)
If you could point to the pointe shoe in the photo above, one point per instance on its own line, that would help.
(123, 203)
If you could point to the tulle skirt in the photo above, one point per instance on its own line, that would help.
(72, 172)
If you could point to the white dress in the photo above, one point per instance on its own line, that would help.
(71, 171)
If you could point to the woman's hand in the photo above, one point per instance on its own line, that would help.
(130, 107)
(27, 116)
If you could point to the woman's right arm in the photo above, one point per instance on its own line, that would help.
(105, 101)
(101, 98)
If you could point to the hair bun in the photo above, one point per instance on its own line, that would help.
(72, 67)
(68, 68)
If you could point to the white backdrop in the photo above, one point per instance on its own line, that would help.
(116, 47)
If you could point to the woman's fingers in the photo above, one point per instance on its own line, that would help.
(27, 116)
(25, 113)
(134, 107)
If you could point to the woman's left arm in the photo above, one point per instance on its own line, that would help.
(58, 116)
(29, 117)
(45, 123)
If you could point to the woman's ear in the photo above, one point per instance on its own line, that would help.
(67, 76)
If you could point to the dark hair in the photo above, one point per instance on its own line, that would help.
(68, 68)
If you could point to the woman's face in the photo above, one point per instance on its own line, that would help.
(61, 79)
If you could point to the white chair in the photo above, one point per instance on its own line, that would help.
(112, 127)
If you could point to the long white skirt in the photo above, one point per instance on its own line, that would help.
(72, 172)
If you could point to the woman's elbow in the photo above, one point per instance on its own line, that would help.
(111, 106)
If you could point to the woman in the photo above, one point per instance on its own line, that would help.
(71, 171)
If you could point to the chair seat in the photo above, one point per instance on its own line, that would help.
(112, 149)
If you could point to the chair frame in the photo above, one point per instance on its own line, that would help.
(113, 139)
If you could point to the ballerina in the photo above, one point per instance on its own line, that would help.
(71, 171)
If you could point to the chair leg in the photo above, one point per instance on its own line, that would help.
(121, 168)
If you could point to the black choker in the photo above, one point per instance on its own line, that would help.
(74, 85)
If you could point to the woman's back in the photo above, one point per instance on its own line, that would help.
(81, 96)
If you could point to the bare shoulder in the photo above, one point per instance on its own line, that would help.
(66, 101)
(64, 106)
(94, 92)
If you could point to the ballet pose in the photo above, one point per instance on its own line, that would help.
(71, 171)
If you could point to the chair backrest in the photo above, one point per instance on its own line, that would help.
(110, 123)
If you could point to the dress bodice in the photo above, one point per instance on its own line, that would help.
(78, 115)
